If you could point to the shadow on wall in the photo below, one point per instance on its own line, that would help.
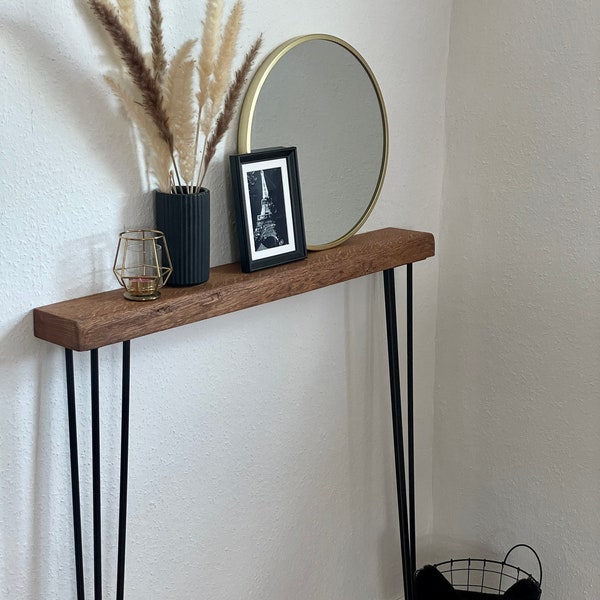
(28, 434)
(69, 89)
(93, 113)
(370, 439)
(34, 460)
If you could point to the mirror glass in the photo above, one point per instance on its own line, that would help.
(318, 94)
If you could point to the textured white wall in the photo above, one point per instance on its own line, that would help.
(235, 491)
(517, 424)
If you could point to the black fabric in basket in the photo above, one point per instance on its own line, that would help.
(430, 584)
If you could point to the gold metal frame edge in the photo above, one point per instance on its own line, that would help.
(244, 141)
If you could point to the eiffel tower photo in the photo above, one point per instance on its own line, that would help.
(270, 228)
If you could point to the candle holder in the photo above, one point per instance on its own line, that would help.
(142, 263)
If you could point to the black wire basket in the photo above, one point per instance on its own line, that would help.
(481, 578)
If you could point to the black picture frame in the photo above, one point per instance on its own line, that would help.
(268, 207)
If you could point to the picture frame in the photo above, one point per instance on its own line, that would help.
(268, 206)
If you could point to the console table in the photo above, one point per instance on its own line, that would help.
(91, 322)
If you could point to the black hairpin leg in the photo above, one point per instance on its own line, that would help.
(74, 474)
(96, 473)
(411, 420)
(401, 489)
(124, 470)
(96, 479)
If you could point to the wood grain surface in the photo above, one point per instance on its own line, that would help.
(108, 318)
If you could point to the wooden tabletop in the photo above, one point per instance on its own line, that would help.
(108, 318)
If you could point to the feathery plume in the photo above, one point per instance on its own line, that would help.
(159, 62)
(128, 20)
(170, 104)
(179, 96)
(210, 42)
(222, 70)
(133, 59)
(231, 98)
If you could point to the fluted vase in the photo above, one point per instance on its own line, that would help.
(184, 218)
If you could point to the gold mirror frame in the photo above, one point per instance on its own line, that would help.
(248, 108)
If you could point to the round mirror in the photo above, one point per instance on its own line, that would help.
(317, 93)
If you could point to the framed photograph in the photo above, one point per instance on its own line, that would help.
(268, 207)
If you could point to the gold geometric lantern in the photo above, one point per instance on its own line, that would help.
(142, 263)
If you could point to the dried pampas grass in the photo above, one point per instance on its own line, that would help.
(231, 98)
(182, 105)
(126, 10)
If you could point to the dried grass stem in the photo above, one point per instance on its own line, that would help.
(181, 100)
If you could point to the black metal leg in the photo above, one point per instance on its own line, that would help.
(410, 418)
(96, 479)
(96, 473)
(74, 474)
(394, 370)
(124, 470)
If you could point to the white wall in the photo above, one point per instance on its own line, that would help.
(517, 425)
(234, 492)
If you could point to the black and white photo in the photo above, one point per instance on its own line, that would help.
(268, 207)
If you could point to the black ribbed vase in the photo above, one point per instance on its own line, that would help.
(185, 220)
